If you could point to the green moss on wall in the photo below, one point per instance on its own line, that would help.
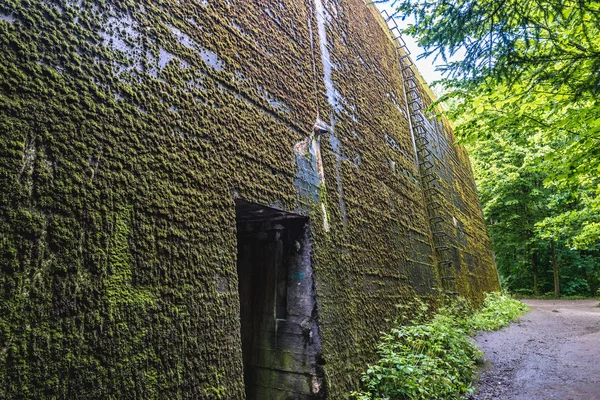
(126, 130)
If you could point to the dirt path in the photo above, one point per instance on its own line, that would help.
(553, 353)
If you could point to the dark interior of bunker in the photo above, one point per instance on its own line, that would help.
(280, 341)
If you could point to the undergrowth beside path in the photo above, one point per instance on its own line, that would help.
(433, 357)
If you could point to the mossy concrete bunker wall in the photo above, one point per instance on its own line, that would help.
(127, 131)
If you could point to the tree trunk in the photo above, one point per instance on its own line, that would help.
(555, 265)
(534, 264)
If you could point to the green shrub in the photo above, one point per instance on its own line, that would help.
(433, 358)
(498, 311)
(575, 286)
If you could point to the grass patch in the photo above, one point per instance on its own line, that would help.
(432, 357)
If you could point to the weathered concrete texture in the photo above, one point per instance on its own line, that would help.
(460, 210)
(127, 131)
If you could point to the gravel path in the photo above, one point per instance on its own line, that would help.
(553, 353)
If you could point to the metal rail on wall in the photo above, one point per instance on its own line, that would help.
(426, 160)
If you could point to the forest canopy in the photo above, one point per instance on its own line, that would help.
(524, 99)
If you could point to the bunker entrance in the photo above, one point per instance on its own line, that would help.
(280, 341)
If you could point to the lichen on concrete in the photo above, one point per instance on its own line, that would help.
(127, 129)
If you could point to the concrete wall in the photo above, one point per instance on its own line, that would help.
(127, 131)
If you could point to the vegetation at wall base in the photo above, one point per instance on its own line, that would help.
(433, 358)
(498, 311)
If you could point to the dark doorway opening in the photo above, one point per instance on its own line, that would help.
(278, 314)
